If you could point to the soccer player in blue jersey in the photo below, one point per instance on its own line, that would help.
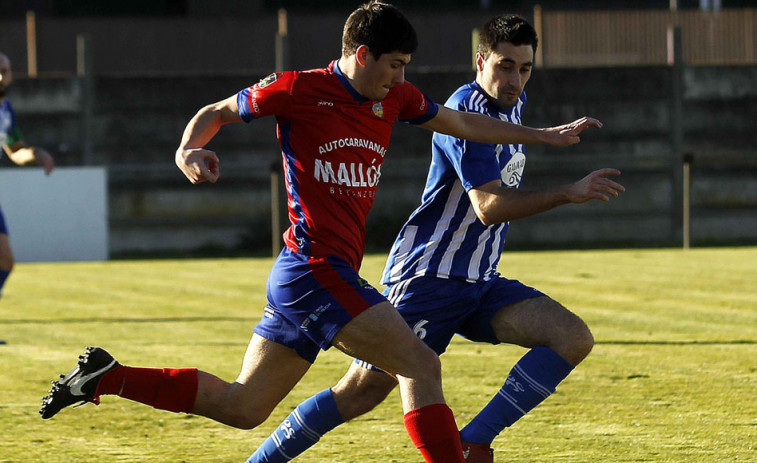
(334, 125)
(442, 270)
(14, 146)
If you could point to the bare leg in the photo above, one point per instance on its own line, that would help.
(268, 373)
(360, 390)
(380, 336)
(6, 259)
(543, 321)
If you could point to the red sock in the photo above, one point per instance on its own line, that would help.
(169, 389)
(433, 430)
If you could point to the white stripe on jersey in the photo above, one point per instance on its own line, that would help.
(477, 102)
(444, 237)
(453, 200)
(408, 240)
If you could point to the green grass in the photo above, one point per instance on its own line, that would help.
(672, 378)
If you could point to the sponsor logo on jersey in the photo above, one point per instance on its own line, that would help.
(268, 80)
(352, 143)
(512, 173)
(378, 109)
(353, 174)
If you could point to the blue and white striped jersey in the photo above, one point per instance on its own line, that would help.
(443, 237)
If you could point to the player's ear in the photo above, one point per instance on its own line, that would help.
(479, 62)
(361, 54)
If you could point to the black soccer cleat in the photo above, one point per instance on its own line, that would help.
(80, 384)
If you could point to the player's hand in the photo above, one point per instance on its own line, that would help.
(566, 135)
(43, 159)
(198, 165)
(596, 185)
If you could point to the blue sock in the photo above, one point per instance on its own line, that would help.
(532, 379)
(300, 430)
(3, 276)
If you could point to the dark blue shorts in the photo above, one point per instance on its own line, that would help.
(3, 227)
(310, 299)
(437, 309)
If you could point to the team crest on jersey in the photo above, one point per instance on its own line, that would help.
(378, 109)
(266, 81)
(512, 173)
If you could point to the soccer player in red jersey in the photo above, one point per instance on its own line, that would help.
(334, 126)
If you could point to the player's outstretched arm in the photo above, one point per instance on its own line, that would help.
(495, 203)
(477, 127)
(24, 155)
(596, 185)
(198, 164)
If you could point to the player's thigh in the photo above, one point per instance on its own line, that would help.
(6, 254)
(381, 337)
(538, 321)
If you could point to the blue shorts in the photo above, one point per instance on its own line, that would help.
(437, 309)
(310, 299)
(3, 227)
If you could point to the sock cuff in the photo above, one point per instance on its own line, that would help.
(547, 365)
(179, 390)
(327, 411)
(430, 424)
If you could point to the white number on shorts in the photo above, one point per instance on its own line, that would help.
(419, 330)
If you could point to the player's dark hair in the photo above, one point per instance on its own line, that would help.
(513, 29)
(381, 27)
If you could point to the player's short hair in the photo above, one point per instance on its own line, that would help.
(381, 27)
(512, 28)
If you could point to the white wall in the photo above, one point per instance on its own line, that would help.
(61, 217)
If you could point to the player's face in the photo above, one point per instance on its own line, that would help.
(380, 75)
(6, 76)
(504, 73)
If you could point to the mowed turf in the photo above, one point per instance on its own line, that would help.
(672, 378)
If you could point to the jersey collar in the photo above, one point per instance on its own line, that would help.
(346, 83)
(493, 107)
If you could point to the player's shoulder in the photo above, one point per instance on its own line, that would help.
(468, 97)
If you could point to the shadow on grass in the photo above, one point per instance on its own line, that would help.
(674, 343)
(65, 321)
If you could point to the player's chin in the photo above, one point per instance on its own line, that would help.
(381, 94)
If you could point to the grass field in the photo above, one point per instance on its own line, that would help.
(672, 378)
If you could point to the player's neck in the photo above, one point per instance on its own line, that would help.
(349, 67)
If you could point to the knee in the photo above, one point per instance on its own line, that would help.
(246, 420)
(584, 342)
(7, 262)
(581, 342)
(356, 402)
(429, 365)
(358, 394)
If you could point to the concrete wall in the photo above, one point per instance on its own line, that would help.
(138, 123)
(63, 217)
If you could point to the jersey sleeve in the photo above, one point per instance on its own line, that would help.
(417, 108)
(13, 134)
(271, 96)
(475, 163)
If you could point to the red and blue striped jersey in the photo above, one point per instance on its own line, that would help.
(333, 143)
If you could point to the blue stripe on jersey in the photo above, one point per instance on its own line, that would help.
(443, 236)
(300, 226)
